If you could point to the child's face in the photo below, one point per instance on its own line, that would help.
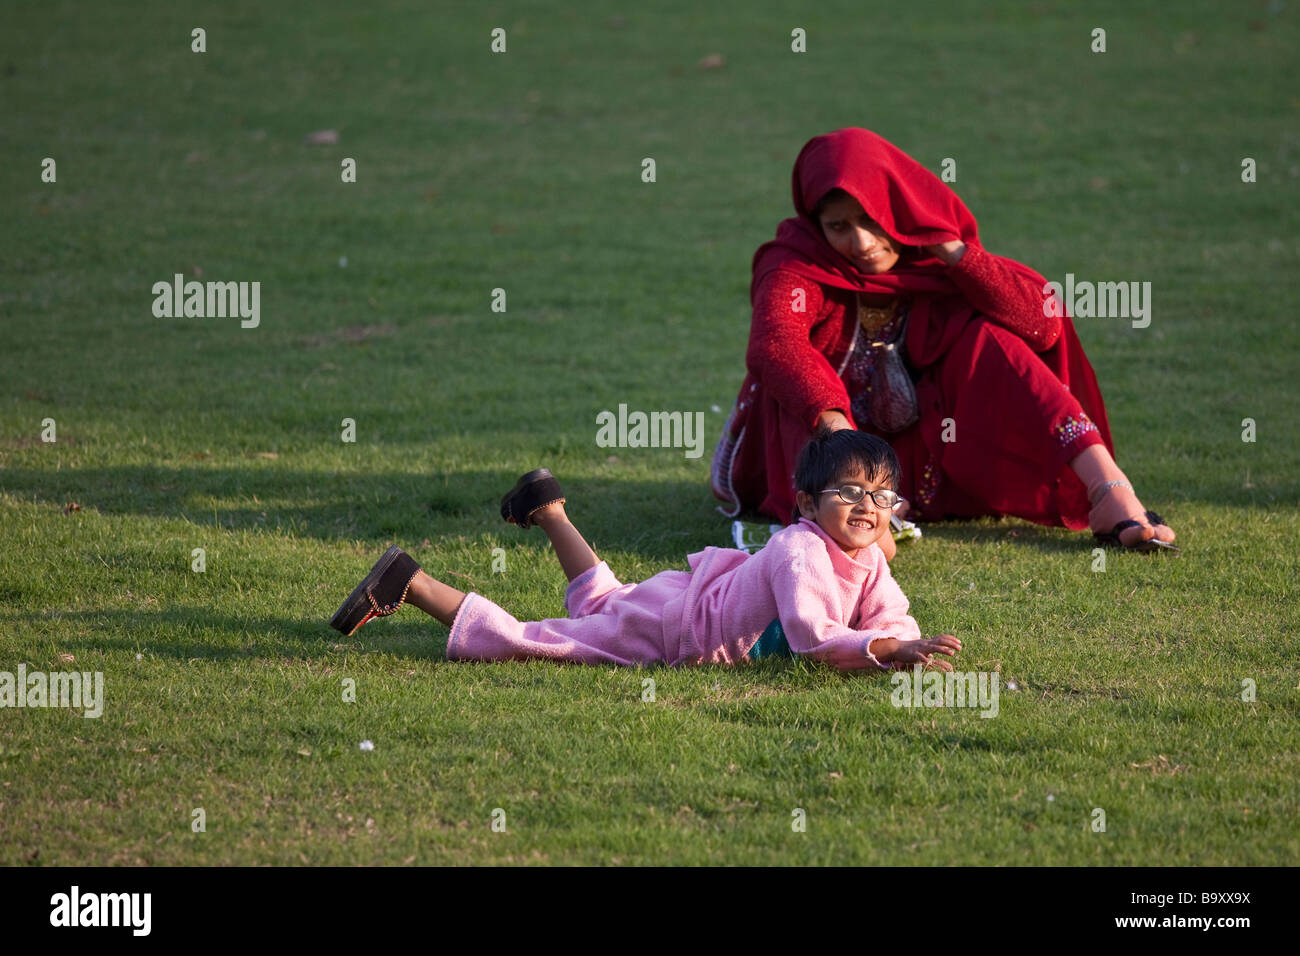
(851, 526)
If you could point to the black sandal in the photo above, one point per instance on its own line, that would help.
(381, 593)
(533, 491)
(1151, 544)
(1111, 537)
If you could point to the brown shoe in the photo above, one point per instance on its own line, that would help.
(532, 492)
(379, 594)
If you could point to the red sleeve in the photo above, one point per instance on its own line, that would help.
(781, 354)
(995, 288)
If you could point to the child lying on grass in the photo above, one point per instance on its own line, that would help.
(824, 578)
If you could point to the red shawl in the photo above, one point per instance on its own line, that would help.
(916, 208)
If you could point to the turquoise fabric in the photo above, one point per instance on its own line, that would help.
(771, 643)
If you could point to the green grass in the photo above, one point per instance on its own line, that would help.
(522, 171)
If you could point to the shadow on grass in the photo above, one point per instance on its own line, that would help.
(201, 634)
(652, 518)
(983, 532)
(657, 520)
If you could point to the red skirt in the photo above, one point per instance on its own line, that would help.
(998, 426)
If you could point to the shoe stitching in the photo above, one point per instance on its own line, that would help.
(395, 606)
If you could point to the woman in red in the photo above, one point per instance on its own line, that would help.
(1007, 418)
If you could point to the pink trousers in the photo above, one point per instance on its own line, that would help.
(609, 623)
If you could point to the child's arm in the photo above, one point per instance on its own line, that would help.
(885, 607)
(811, 609)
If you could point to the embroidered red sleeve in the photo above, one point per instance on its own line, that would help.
(781, 354)
(1008, 298)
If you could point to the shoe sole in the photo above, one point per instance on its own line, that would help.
(1142, 547)
(358, 599)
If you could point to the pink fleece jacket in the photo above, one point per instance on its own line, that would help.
(831, 606)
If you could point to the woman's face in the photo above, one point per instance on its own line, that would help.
(858, 237)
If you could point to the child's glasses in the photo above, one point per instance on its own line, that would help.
(852, 494)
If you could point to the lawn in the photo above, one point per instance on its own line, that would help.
(1162, 691)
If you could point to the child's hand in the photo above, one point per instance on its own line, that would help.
(920, 652)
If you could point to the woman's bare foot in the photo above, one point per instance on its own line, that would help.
(1119, 503)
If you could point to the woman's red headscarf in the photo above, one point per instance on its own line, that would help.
(917, 209)
(911, 204)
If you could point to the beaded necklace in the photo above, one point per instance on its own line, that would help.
(873, 320)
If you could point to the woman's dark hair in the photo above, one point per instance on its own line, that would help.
(907, 254)
(825, 201)
(830, 454)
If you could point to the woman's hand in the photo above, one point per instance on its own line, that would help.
(950, 251)
(834, 419)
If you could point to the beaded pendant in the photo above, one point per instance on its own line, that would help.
(873, 319)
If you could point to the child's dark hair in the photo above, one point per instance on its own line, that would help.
(830, 454)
